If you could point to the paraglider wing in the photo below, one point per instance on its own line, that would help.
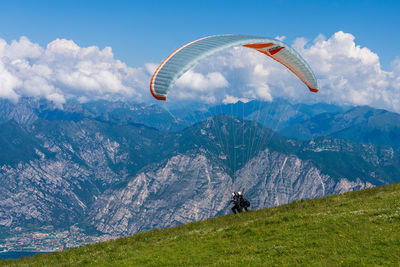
(187, 56)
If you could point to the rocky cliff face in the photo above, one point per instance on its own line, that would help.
(273, 178)
(190, 187)
(44, 193)
(183, 189)
(22, 112)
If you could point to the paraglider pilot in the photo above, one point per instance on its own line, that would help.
(239, 202)
(235, 202)
(243, 203)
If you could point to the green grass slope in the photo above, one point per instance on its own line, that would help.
(354, 229)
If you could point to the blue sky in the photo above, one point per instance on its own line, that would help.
(147, 31)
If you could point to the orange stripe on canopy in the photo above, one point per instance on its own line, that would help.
(312, 89)
(258, 46)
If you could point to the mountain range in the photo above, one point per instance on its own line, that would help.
(117, 168)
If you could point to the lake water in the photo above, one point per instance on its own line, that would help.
(17, 254)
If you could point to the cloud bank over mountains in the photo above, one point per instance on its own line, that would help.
(347, 74)
(63, 70)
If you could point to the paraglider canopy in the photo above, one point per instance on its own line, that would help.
(188, 55)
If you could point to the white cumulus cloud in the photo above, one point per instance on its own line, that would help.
(348, 73)
(197, 86)
(232, 99)
(63, 70)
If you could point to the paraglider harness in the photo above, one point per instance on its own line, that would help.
(239, 202)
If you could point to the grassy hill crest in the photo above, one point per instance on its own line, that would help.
(356, 228)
